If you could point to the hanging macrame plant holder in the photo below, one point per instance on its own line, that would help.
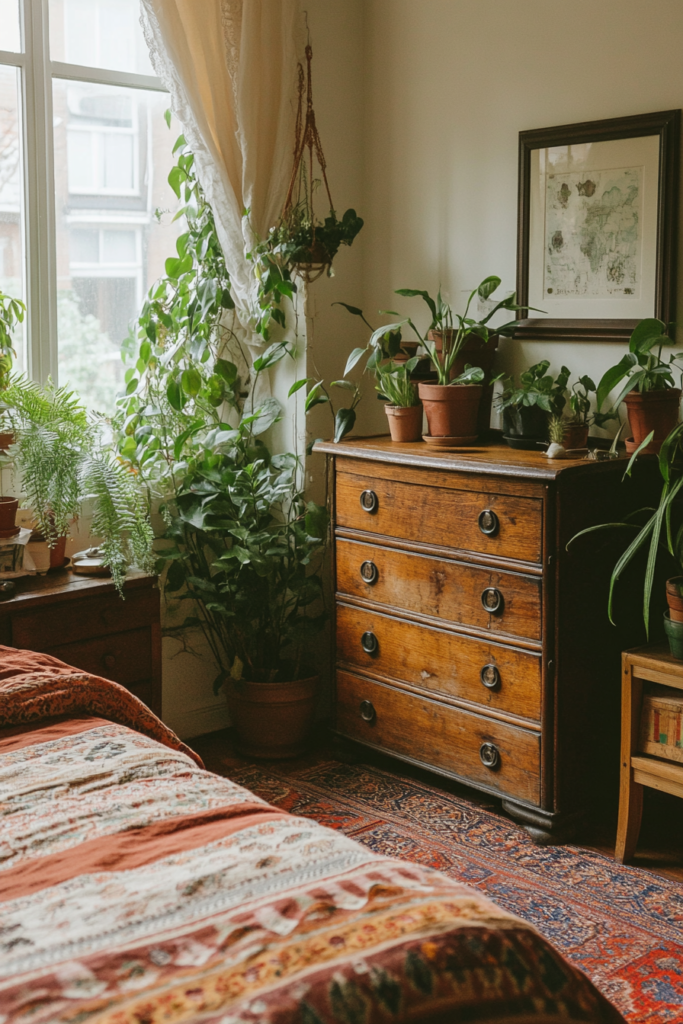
(313, 246)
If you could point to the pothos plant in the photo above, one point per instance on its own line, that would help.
(243, 547)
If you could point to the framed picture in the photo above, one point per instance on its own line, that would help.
(597, 227)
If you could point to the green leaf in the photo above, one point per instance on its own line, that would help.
(357, 354)
(354, 310)
(639, 449)
(346, 385)
(227, 370)
(167, 117)
(174, 393)
(191, 382)
(343, 422)
(316, 520)
(316, 396)
(488, 287)
(410, 292)
(297, 385)
(645, 333)
(613, 376)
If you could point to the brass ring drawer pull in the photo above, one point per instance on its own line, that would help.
(490, 677)
(492, 600)
(368, 501)
(490, 755)
(489, 523)
(368, 642)
(369, 572)
(367, 711)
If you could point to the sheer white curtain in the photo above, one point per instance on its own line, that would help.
(231, 69)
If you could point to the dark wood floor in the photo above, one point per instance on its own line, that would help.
(660, 848)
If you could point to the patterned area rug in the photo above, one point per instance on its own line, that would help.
(623, 926)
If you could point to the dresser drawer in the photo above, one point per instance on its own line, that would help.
(443, 662)
(440, 588)
(124, 657)
(442, 516)
(45, 628)
(445, 737)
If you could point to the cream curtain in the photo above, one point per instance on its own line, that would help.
(230, 67)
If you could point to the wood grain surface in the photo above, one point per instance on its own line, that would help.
(432, 733)
(442, 516)
(441, 588)
(439, 661)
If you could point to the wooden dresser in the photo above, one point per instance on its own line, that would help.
(84, 622)
(469, 641)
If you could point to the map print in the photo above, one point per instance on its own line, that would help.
(593, 233)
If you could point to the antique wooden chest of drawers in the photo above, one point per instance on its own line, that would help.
(469, 640)
(83, 621)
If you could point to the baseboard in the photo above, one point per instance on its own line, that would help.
(196, 721)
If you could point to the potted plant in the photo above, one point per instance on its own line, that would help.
(243, 549)
(527, 406)
(64, 462)
(650, 393)
(659, 531)
(452, 404)
(403, 408)
(12, 312)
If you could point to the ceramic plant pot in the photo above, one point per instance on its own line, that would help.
(653, 410)
(674, 634)
(451, 409)
(8, 514)
(526, 422)
(575, 436)
(58, 553)
(405, 424)
(481, 353)
(674, 597)
(272, 720)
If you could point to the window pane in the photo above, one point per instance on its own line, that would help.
(10, 38)
(11, 201)
(99, 34)
(112, 159)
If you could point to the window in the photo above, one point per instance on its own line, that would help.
(84, 160)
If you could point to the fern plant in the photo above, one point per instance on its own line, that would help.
(63, 460)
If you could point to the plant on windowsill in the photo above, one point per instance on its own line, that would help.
(63, 462)
(242, 545)
(12, 312)
(650, 393)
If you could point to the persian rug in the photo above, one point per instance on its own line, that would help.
(622, 926)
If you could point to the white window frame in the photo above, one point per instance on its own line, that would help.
(40, 261)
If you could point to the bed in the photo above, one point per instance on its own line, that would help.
(138, 888)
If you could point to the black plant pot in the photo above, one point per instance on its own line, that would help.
(525, 423)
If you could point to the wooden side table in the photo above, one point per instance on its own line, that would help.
(83, 621)
(645, 664)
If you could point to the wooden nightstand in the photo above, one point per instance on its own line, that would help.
(84, 622)
(654, 665)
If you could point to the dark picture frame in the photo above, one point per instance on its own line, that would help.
(667, 126)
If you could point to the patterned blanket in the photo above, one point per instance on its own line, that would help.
(137, 888)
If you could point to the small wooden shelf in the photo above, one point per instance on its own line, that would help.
(652, 665)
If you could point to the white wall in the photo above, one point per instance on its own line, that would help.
(449, 84)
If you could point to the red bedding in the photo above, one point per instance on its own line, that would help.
(137, 888)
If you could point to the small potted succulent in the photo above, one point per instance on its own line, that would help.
(650, 393)
(527, 406)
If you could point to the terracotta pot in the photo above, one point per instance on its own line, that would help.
(272, 720)
(480, 353)
(674, 597)
(405, 424)
(57, 553)
(575, 436)
(653, 410)
(8, 514)
(6, 440)
(451, 409)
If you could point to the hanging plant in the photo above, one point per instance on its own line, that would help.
(300, 243)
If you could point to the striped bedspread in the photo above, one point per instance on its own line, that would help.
(137, 888)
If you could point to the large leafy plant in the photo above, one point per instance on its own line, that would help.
(659, 531)
(64, 461)
(642, 368)
(242, 545)
(536, 388)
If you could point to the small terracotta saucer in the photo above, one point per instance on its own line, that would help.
(10, 533)
(450, 442)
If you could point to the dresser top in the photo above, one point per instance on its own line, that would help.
(493, 457)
